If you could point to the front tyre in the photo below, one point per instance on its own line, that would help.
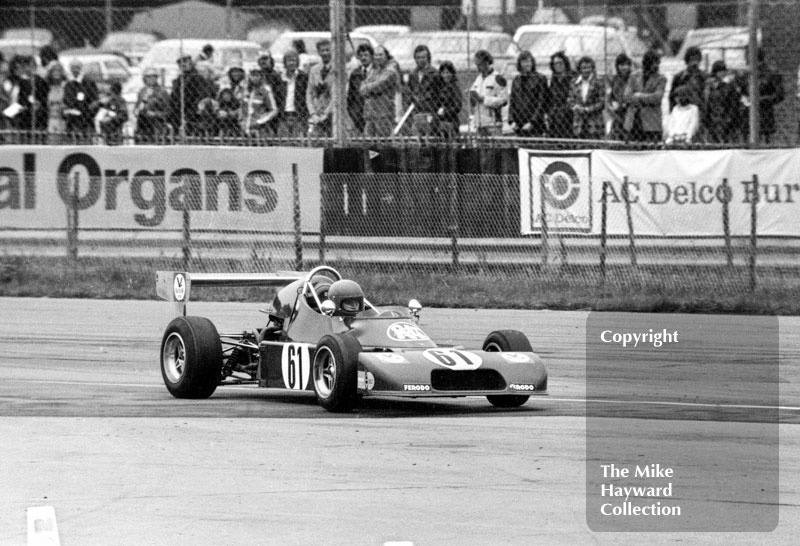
(507, 341)
(191, 357)
(334, 372)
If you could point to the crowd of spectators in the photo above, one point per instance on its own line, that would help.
(46, 99)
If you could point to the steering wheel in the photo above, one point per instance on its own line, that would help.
(308, 287)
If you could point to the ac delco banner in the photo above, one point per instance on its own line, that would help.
(669, 192)
(150, 187)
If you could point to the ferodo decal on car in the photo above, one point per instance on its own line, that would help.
(406, 331)
(295, 366)
(516, 358)
(522, 387)
(453, 358)
(179, 286)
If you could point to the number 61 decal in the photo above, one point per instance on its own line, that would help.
(295, 366)
(453, 358)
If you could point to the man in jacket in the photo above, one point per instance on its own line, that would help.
(188, 90)
(319, 95)
(425, 87)
(79, 94)
(487, 96)
(378, 91)
(291, 98)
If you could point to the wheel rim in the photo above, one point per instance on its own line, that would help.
(174, 358)
(493, 348)
(324, 372)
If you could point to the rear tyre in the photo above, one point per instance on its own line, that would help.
(191, 357)
(334, 372)
(504, 341)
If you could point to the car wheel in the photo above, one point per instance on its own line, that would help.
(502, 341)
(191, 357)
(334, 372)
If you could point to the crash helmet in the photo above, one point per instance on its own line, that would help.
(347, 296)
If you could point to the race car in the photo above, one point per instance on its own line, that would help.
(324, 335)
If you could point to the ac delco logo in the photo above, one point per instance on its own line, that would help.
(521, 387)
(416, 387)
(560, 185)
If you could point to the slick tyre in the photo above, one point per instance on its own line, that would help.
(191, 357)
(503, 341)
(334, 372)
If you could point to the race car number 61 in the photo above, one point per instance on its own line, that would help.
(453, 358)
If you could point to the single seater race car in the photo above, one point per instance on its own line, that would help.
(324, 335)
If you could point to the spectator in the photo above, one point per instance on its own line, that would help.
(560, 113)
(770, 93)
(355, 102)
(587, 99)
(47, 57)
(29, 94)
(644, 94)
(425, 87)
(5, 93)
(188, 90)
(615, 97)
(56, 125)
(529, 100)
(449, 102)
(293, 111)
(684, 119)
(205, 61)
(692, 78)
(151, 110)
(275, 82)
(319, 95)
(260, 107)
(722, 98)
(110, 113)
(378, 90)
(487, 96)
(399, 107)
(80, 93)
(228, 114)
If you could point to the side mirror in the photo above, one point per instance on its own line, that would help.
(328, 307)
(414, 307)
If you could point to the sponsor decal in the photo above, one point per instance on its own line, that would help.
(406, 331)
(391, 358)
(295, 366)
(556, 192)
(521, 387)
(369, 381)
(516, 358)
(454, 359)
(416, 388)
(361, 380)
(179, 287)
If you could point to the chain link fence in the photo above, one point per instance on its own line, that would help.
(447, 226)
(248, 92)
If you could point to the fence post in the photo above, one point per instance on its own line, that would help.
(298, 231)
(752, 61)
(339, 36)
(543, 216)
(726, 224)
(454, 220)
(72, 219)
(753, 233)
(323, 187)
(187, 239)
(603, 231)
(631, 237)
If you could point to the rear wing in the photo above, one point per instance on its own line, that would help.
(175, 286)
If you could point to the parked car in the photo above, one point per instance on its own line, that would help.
(16, 46)
(602, 43)
(99, 66)
(163, 57)
(40, 36)
(453, 46)
(309, 57)
(716, 43)
(133, 45)
(381, 33)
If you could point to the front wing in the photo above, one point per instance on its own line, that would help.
(442, 371)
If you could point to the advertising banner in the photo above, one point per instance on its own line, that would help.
(139, 187)
(670, 192)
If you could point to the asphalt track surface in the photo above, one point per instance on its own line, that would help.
(87, 427)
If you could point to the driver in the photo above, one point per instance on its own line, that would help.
(347, 296)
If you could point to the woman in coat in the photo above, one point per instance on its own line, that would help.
(559, 113)
(530, 99)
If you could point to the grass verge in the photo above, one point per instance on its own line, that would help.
(682, 289)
